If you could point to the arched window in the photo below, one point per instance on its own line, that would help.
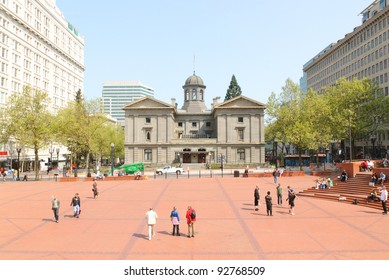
(148, 136)
(201, 95)
(194, 94)
(186, 95)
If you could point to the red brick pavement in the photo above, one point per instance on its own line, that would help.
(113, 227)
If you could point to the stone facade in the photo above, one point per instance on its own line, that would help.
(158, 133)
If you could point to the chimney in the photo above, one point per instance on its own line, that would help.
(173, 101)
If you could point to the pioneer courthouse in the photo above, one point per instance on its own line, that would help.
(159, 133)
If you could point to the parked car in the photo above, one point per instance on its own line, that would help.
(169, 169)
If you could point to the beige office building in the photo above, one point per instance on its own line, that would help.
(159, 133)
(362, 53)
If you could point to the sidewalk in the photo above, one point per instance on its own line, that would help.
(113, 227)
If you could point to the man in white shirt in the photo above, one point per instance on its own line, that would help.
(384, 198)
(151, 217)
(370, 165)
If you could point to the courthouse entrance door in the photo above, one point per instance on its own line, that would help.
(186, 158)
(201, 158)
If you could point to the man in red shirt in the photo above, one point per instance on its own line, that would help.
(190, 219)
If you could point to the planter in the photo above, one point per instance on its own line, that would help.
(69, 179)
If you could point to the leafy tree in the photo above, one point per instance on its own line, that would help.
(233, 90)
(297, 118)
(81, 126)
(358, 108)
(28, 120)
(79, 98)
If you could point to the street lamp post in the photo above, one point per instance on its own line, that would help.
(18, 150)
(276, 150)
(373, 138)
(112, 156)
(57, 158)
(50, 164)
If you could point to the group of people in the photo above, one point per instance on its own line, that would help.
(75, 203)
(367, 165)
(323, 183)
(269, 201)
(151, 217)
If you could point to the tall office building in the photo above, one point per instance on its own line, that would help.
(364, 52)
(39, 47)
(117, 94)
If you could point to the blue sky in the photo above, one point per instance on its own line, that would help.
(262, 43)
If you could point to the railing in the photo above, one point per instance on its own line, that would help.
(195, 136)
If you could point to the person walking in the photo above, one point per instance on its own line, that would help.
(94, 188)
(151, 217)
(55, 204)
(190, 220)
(276, 174)
(76, 203)
(256, 197)
(384, 198)
(291, 197)
(279, 195)
(269, 204)
(175, 218)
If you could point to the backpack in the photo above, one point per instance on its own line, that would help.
(193, 214)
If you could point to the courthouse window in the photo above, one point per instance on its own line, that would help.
(148, 155)
(240, 134)
(241, 154)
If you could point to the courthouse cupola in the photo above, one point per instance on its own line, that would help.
(194, 89)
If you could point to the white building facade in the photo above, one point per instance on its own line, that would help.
(40, 48)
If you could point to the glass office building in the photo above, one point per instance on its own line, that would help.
(117, 94)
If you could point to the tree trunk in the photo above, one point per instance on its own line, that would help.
(300, 160)
(37, 164)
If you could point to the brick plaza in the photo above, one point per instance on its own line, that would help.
(113, 227)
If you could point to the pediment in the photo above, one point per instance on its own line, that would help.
(240, 102)
(147, 103)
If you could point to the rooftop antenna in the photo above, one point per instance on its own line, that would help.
(194, 65)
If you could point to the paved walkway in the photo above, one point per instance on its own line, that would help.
(113, 227)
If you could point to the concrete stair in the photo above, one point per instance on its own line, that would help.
(355, 188)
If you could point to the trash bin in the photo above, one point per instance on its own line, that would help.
(236, 173)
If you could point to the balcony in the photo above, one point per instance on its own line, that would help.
(194, 139)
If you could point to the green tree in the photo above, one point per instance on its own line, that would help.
(296, 118)
(358, 109)
(233, 90)
(28, 120)
(78, 126)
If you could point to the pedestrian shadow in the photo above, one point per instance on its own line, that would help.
(371, 212)
(247, 204)
(48, 220)
(164, 232)
(282, 213)
(259, 214)
(68, 216)
(247, 209)
(142, 236)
